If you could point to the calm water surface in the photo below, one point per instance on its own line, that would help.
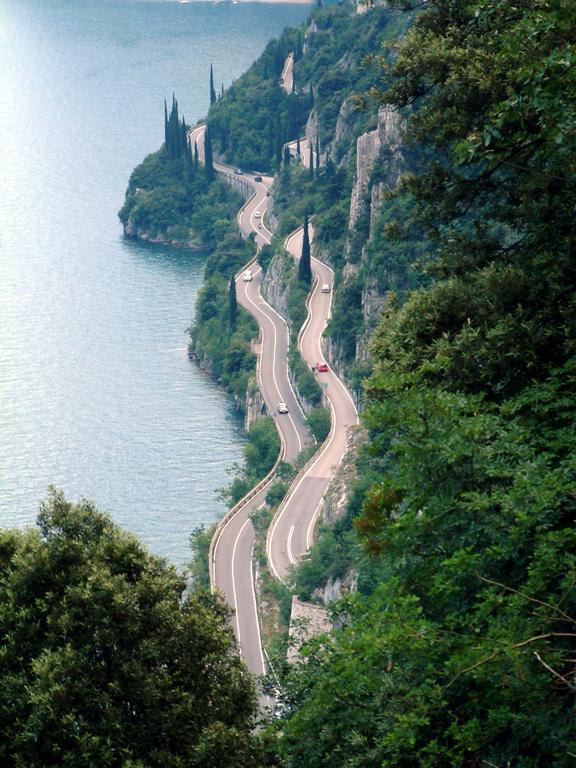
(97, 395)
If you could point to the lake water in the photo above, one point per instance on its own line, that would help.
(97, 395)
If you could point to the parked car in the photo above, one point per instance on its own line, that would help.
(282, 408)
(325, 288)
(247, 276)
(239, 171)
(257, 214)
(257, 178)
(322, 367)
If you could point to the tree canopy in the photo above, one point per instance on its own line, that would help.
(459, 648)
(106, 660)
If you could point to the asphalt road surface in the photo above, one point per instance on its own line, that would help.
(287, 76)
(232, 557)
(291, 533)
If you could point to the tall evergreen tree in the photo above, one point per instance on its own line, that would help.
(196, 158)
(317, 154)
(189, 160)
(165, 126)
(278, 140)
(304, 267)
(222, 90)
(183, 138)
(310, 161)
(270, 143)
(298, 147)
(208, 157)
(212, 89)
(233, 303)
(287, 155)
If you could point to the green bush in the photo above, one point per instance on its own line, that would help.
(319, 421)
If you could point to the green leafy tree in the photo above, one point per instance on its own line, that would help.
(104, 659)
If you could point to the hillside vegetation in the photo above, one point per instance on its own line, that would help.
(454, 313)
(459, 648)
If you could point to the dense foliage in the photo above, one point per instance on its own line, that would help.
(222, 331)
(170, 197)
(105, 661)
(459, 648)
(256, 117)
(260, 454)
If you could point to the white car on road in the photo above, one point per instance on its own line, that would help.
(282, 408)
(247, 276)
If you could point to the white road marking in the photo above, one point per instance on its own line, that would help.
(234, 582)
(260, 309)
(260, 646)
(289, 545)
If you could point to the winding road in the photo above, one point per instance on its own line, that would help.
(291, 533)
(231, 556)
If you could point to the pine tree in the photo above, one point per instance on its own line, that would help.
(208, 158)
(304, 267)
(233, 303)
(212, 89)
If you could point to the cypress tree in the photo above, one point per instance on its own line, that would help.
(232, 303)
(189, 161)
(173, 135)
(165, 126)
(183, 138)
(208, 159)
(222, 91)
(196, 158)
(317, 154)
(298, 148)
(278, 140)
(212, 89)
(287, 156)
(270, 144)
(304, 267)
(310, 161)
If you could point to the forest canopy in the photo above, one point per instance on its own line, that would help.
(106, 660)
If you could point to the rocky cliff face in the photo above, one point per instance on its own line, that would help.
(379, 165)
(379, 149)
(275, 283)
(254, 406)
(166, 238)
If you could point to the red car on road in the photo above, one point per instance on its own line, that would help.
(322, 367)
